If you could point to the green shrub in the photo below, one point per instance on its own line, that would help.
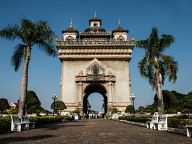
(130, 109)
(12, 111)
(174, 122)
(178, 122)
(45, 120)
(67, 118)
(5, 124)
(183, 117)
(135, 119)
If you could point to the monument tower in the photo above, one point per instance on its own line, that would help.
(95, 60)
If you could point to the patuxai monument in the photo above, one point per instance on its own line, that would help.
(95, 60)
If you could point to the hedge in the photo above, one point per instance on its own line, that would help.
(44, 120)
(135, 119)
(174, 122)
(5, 122)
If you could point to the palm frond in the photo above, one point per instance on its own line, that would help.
(18, 55)
(28, 31)
(142, 68)
(153, 43)
(154, 38)
(147, 71)
(44, 31)
(171, 67)
(38, 33)
(47, 47)
(10, 32)
(151, 76)
(166, 41)
(142, 44)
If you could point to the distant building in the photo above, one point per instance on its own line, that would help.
(13, 105)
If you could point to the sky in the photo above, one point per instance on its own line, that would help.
(138, 16)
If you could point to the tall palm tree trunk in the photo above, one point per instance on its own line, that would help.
(159, 93)
(24, 83)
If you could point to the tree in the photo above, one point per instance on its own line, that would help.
(88, 107)
(130, 109)
(3, 104)
(180, 100)
(58, 105)
(156, 66)
(114, 110)
(151, 108)
(189, 93)
(141, 109)
(77, 111)
(169, 100)
(188, 104)
(30, 34)
(32, 103)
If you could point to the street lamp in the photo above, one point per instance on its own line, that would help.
(54, 98)
(133, 99)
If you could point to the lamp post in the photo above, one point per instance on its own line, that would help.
(54, 98)
(133, 100)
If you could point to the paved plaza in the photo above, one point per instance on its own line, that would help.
(95, 131)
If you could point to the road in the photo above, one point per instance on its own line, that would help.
(95, 131)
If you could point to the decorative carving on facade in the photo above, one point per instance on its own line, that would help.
(108, 51)
(95, 33)
(110, 72)
(94, 42)
(95, 67)
(81, 73)
(95, 71)
(99, 47)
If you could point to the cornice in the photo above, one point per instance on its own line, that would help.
(95, 48)
(80, 43)
(89, 57)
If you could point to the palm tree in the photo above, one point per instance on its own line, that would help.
(29, 33)
(156, 66)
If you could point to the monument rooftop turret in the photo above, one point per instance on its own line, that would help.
(95, 42)
(120, 29)
(70, 30)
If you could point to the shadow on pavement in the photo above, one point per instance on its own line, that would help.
(54, 127)
(10, 140)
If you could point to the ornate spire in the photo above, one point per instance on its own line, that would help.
(71, 23)
(119, 28)
(119, 21)
(95, 15)
(71, 28)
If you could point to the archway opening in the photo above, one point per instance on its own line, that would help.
(94, 90)
(96, 102)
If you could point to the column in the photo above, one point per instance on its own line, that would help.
(80, 98)
(129, 85)
(110, 93)
(62, 83)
